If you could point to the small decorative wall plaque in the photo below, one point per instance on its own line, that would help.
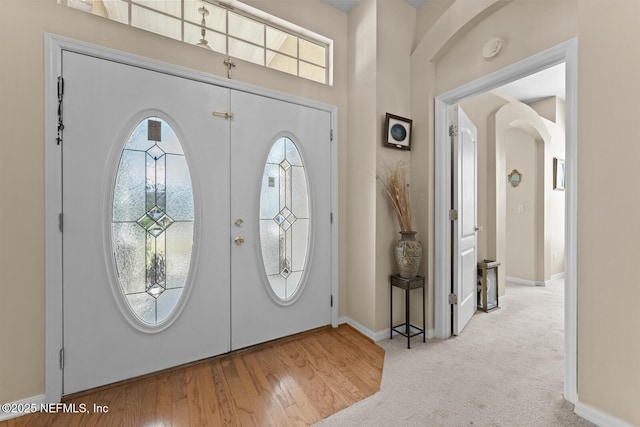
(397, 132)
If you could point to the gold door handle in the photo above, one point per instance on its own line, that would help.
(239, 240)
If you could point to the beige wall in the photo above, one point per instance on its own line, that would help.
(608, 253)
(521, 206)
(362, 134)
(609, 99)
(22, 281)
(394, 45)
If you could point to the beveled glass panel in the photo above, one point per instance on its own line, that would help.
(129, 194)
(246, 29)
(270, 238)
(217, 18)
(169, 143)
(166, 302)
(284, 219)
(271, 191)
(144, 307)
(129, 241)
(116, 10)
(282, 42)
(179, 245)
(217, 42)
(172, 7)
(152, 221)
(311, 52)
(299, 195)
(179, 193)
(246, 51)
(282, 63)
(156, 22)
(312, 72)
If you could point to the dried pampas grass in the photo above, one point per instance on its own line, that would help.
(396, 188)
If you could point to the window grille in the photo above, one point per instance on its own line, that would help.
(240, 31)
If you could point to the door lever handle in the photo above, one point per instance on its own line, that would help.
(239, 240)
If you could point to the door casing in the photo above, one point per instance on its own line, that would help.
(54, 45)
(566, 52)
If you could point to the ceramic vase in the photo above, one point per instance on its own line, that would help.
(408, 253)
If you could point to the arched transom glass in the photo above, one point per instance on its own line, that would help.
(152, 222)
(284, 218)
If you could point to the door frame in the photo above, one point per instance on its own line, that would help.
(54, 46)
(566, 52)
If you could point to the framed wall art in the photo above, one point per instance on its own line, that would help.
(397, 132)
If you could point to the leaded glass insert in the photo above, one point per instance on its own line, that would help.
(153, 195)
(284, 218)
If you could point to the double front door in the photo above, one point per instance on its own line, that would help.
(196, 220)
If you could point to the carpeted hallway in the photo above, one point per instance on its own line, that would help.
(505, 369)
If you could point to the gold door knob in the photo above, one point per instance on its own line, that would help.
(239, 240)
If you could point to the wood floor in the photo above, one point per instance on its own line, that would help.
(290, 382)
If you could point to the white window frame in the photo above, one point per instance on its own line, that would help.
(249, 12)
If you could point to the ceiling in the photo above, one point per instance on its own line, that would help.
(546, 83)
(346, 5)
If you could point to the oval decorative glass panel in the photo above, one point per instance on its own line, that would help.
(284, 219)
(152, 222)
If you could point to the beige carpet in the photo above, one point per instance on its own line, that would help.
(505, 369)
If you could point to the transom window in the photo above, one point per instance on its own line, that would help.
(241, 32)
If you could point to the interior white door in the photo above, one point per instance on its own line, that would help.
(281, 219)
(146, 238)
(464, 228)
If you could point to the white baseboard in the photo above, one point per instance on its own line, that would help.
(525, 282)
(375, 336)
(24, 405)
(598, 417)
(536, 282)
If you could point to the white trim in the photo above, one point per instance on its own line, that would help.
(565, 52)
(54, 45)
(557, 276)
(527, 282)
(375, 336)
(33, 404)
(598, 417)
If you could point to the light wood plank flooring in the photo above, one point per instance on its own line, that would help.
(294, 381)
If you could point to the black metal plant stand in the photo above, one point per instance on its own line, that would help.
(404, 329)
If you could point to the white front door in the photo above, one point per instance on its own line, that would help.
(156, 189)
(464, 228)
(280, 219)
(146, 213)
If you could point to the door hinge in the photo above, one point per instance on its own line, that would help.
(331, 300)
(453, 130)
(331, 217)
(453, 299)
(331, 135)
(61, 222)
(62, 358)
(60, 96)
(225, 114)
(453, 215)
